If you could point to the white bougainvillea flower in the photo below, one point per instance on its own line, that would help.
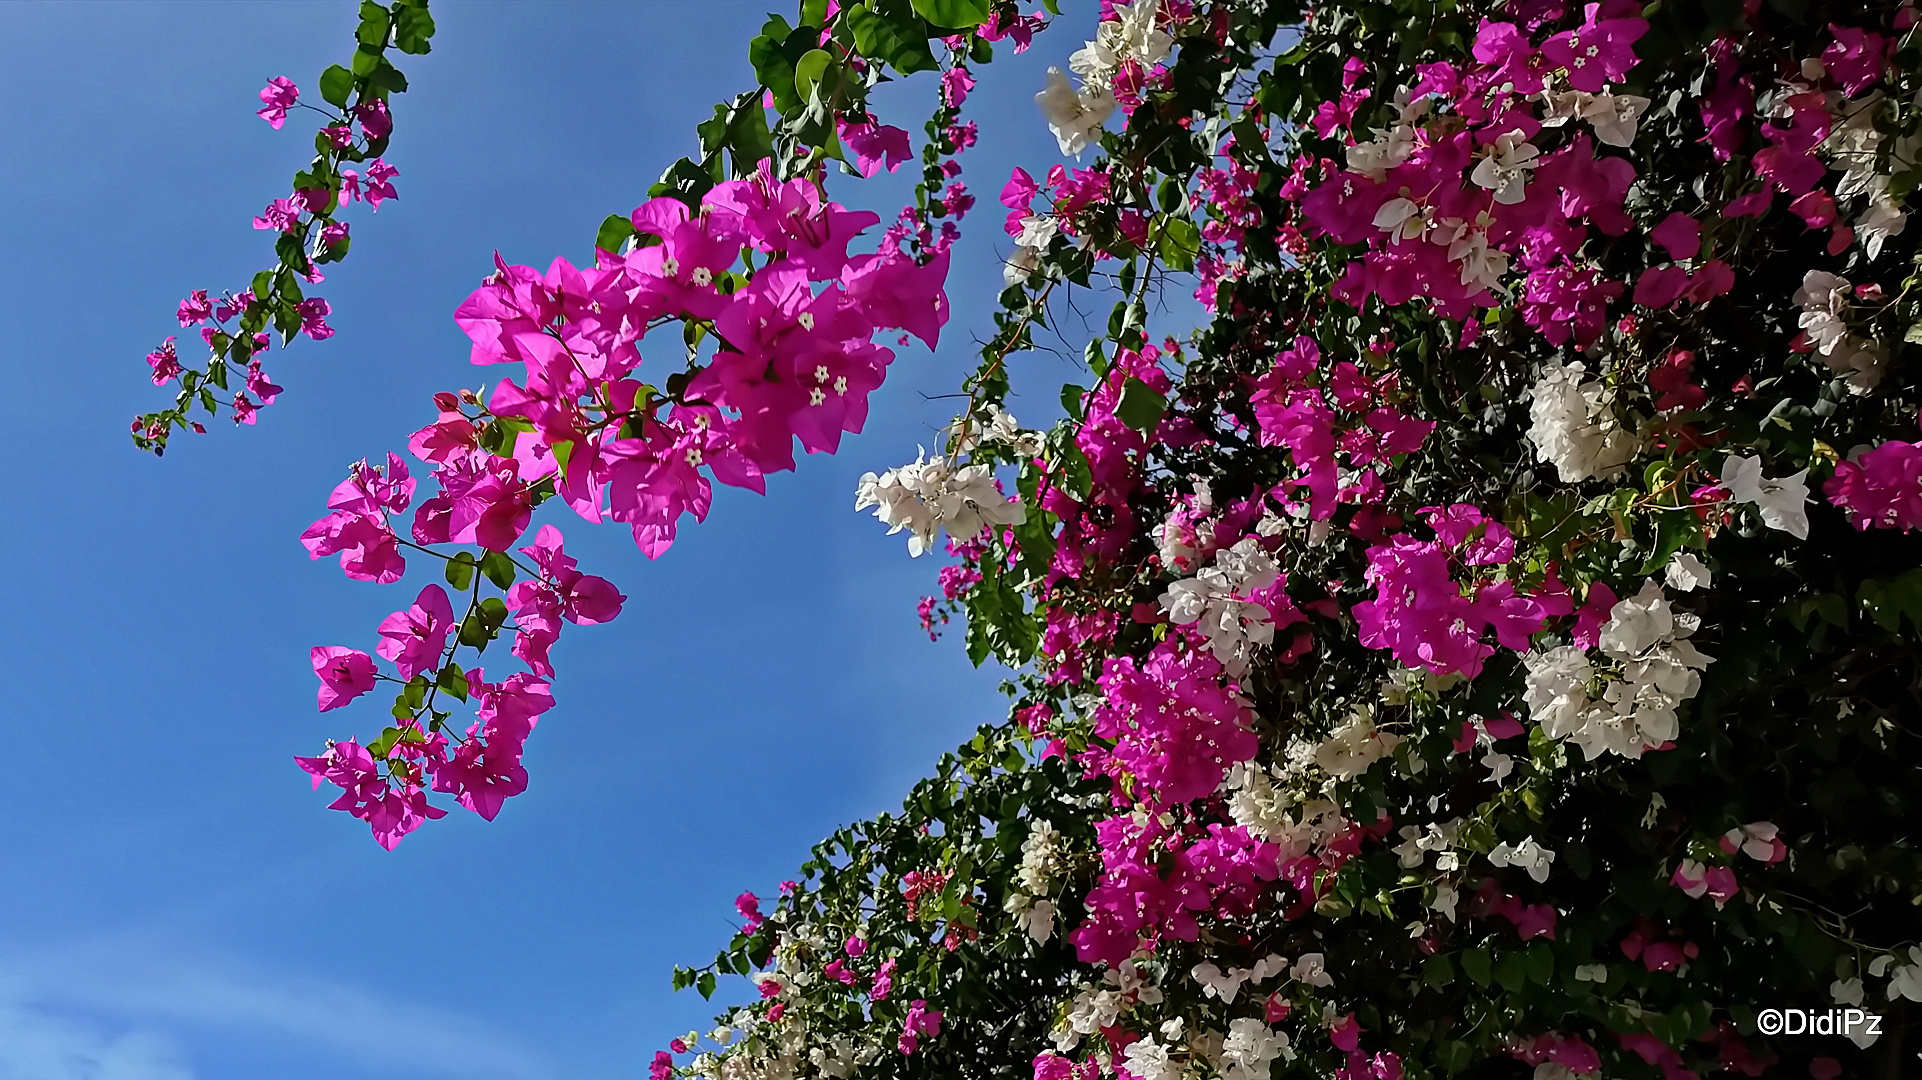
(1573, 428)
(1528, 855)
(1686, 572)
(1075, 117)
(925, 496)
(1783, 502)
(1505, 166)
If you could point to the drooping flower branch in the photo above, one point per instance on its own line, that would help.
(237, 327)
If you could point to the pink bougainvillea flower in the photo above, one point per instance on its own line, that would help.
(281, 215)
(277, 97)
(374, 118)
(876, 145)
(1679, 234)
(413, 639)
(1855, 58)
(357, 528)
(1598, 52)
(345, 674)
(390, 812)
(195, 310)
(898, 292)
(165, 362)
(378, 187)
(313, 318)
(1880, 488)
(956, 83)
(921, 1022)
(482, 775)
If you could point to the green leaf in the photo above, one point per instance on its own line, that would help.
(891, 31)
(498, 568)
(809, 70)
(683, 180)
(414, 694)
(372, 31)
(1438, 970)
(493, 611)
(388, 77)
(954, 14)
(413, 27)
(336, 86)
(1512, 971)
(453, 680)
(365, 61)
(1140, 407)
(1180, 243)
(983, 607)
(705, 984)
(615, 231)
(1478, 966)
(1541, 963)
(460, 571)
(1071, 396)
(1096, 360)
(748, 138)
(384, 742)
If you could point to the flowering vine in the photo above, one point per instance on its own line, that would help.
(1555, 395)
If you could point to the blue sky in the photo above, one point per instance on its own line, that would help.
(174, 901)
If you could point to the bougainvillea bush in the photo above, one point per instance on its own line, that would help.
(1487, 645)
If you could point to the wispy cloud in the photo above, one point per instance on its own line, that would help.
(148, 989)
(38, 1045)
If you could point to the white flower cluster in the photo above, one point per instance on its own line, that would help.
(1041, 864)
(1250, 1049)
(1417, 842)
(1783, 503)
(1574, 428)
(1093, 1008)
(1350, 749)
(1505, 167)
(1226, 985)
(766, 1051)
(1182, 546)
(929, 495)
(1656, 669)
(1037, 232)
(838, 1057)
(1245, 1052)
(1000, 428)
(1855, 146)
(1149, 1060)
(1392, 146)
(1613, 116)
(1075, 116)
(1824, 300)
(1905, 979)
(1098, 1007)
(1528, 855)
(1256, 803)
(1134, 34)
(1215, 598)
